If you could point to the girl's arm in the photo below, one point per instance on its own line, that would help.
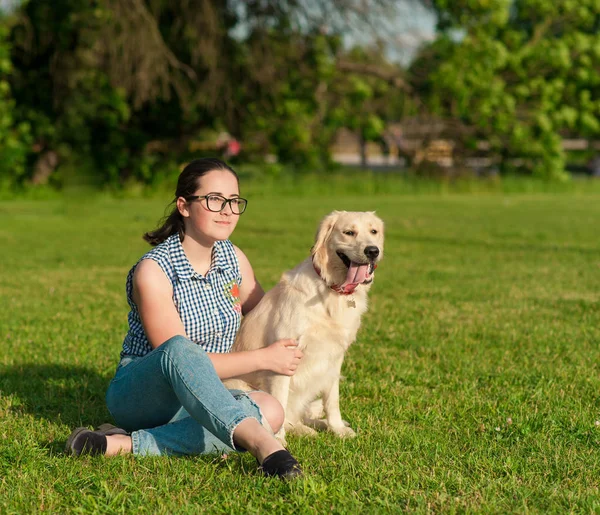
(281, 357)
(153, 296)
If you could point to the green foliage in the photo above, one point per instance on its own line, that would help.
(117, 94)
(288, 116)
(122, 95)
(524, 74)
(15, 137)
(63, 91)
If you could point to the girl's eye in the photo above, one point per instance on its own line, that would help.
(373, 231)
(215, 198)
(349, 233)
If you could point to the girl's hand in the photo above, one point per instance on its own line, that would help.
(283, 357)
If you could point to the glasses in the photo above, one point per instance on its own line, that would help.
(216, 203)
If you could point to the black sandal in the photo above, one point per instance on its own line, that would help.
(281, 464)
(84, 441)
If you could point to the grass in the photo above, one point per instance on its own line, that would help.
(473, 385)
(272, 180)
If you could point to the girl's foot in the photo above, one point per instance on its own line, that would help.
(107, 439)
(273, 459)
(281, 464)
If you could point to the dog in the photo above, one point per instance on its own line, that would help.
(320, 304)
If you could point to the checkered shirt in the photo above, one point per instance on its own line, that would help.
(209, 306)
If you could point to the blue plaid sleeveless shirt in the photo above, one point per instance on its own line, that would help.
(209, 306)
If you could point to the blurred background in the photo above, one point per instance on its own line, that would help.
(115, 93)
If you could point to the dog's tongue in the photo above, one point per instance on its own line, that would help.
(357, 274)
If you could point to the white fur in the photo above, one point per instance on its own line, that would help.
(302, 306)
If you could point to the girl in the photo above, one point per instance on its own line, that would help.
(187, 296)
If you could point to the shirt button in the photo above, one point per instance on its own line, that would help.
(216, 311)
(218, 334)
(207, 286)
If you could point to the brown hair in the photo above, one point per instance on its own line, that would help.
(187, 184)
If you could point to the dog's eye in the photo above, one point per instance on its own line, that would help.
(349, 233)
(373, 231)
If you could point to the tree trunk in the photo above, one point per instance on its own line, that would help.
(44, 167)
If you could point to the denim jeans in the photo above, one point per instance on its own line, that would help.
(174, 403)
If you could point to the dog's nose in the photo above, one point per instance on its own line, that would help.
(371, 251)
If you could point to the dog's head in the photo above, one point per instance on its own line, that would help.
(347, 247)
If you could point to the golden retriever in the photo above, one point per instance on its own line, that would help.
(319, 303)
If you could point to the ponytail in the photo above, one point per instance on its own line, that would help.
(169, 225)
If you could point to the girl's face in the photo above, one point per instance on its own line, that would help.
(204, 225)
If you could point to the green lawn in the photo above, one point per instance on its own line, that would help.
(474, 385)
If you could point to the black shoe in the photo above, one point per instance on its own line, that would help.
(83, 441)
(109, 429)
(281, 464)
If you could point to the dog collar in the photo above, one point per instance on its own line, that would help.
(342, 290)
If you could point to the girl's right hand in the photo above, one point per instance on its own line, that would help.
(283, 357)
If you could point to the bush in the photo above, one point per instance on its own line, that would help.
(15, 138)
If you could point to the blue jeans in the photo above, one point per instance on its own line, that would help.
(174, 403)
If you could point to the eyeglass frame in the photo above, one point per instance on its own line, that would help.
(226, 201)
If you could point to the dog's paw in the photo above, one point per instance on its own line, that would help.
(318, 424)
(343, 432)
(300, 429)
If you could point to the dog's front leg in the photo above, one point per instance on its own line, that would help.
(331, 403)
(279, 387)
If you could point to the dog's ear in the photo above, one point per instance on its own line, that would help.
(319, 249)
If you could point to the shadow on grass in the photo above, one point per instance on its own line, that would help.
(72, 395)
(60, 394)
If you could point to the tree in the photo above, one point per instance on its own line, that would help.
(368, 93)
(521, 73)
(118, 88)
(14, 137)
